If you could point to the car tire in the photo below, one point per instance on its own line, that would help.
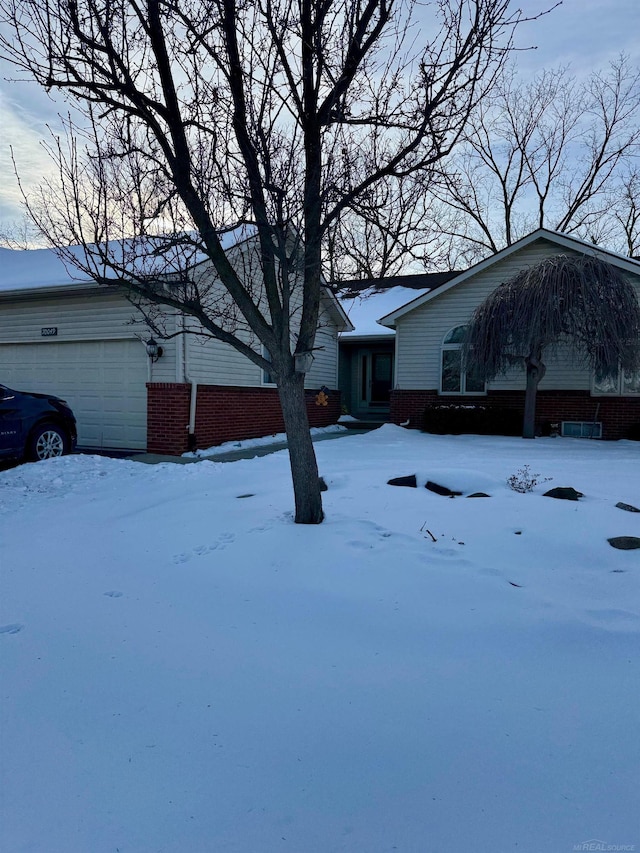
(47, 441)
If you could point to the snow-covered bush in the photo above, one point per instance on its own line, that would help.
(524, 481)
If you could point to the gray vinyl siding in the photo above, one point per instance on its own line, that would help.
(210, 361)
(89, 316)
(324, 370)
(213, 362)
(420, 333)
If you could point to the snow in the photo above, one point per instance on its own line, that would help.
(365, 310)
(28, 269)
(264, 441)
(32, 269)
(184, 670)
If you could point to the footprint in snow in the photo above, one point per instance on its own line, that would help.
(446, 552)
(614, 619)
(378, 536)
(222, 542)
(12, 628)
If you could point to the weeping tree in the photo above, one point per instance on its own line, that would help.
(194, 115)
(580, 301)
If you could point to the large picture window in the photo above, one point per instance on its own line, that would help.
(454, 377)
(619, 385)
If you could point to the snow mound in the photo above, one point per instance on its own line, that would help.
(462, 480)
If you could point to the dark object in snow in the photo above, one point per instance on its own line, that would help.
(518, 585)
(563, 493)
(479, 495)
(440, 490)
(627, 507)
(322, 484)
(624, 543)
(250, 495)
(518, 532)
(409, 481)
(12, 628)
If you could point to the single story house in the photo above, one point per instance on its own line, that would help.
(428, 370)
(84, 342)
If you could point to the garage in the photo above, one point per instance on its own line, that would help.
(104, 382)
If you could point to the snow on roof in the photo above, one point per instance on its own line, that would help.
(35, 269)
(365, 309)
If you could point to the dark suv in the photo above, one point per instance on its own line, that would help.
(35, 426)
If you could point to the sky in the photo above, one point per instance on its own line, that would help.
(585, 34)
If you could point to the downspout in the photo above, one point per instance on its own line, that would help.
(191, 426)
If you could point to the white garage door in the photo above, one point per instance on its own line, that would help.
(104, 382)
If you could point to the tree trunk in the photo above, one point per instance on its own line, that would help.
(535, 371)
(302, 457)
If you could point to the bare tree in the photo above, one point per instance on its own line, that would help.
(280, 115)
(625, 210)
(581, 300)
(19, 234)
(543, 154)
(389, 230)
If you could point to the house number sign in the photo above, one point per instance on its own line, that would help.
(49, 331)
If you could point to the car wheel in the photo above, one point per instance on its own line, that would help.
(47, 442)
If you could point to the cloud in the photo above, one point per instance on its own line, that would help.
(23, 130)
(586, 34)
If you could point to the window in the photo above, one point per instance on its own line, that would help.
(267, 378)
(621, 383)
(454, 378)
(581, 429)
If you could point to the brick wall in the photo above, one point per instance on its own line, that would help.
(223, 413)
(167, 417)
(618, 414)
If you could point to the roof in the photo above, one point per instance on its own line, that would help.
(35, 269)
(30, 271)
(415, 281)
(364, 300)
(364, 309)
(564, 241)
(44, 269)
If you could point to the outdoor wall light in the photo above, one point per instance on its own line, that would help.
(303, 361)
(153, 350)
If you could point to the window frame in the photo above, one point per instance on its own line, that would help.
(265, 377)
(456, 346)
(618, 391)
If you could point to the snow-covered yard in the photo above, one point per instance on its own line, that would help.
(185, 670)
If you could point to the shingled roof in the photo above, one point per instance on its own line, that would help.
(417, 281)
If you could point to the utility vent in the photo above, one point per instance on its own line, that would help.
(581, 429)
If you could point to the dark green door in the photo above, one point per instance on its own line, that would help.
(381, 377)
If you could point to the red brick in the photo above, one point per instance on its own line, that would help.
(617, 414)
(223, 413)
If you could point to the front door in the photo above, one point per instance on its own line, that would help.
(381, 378)
(376, 379)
